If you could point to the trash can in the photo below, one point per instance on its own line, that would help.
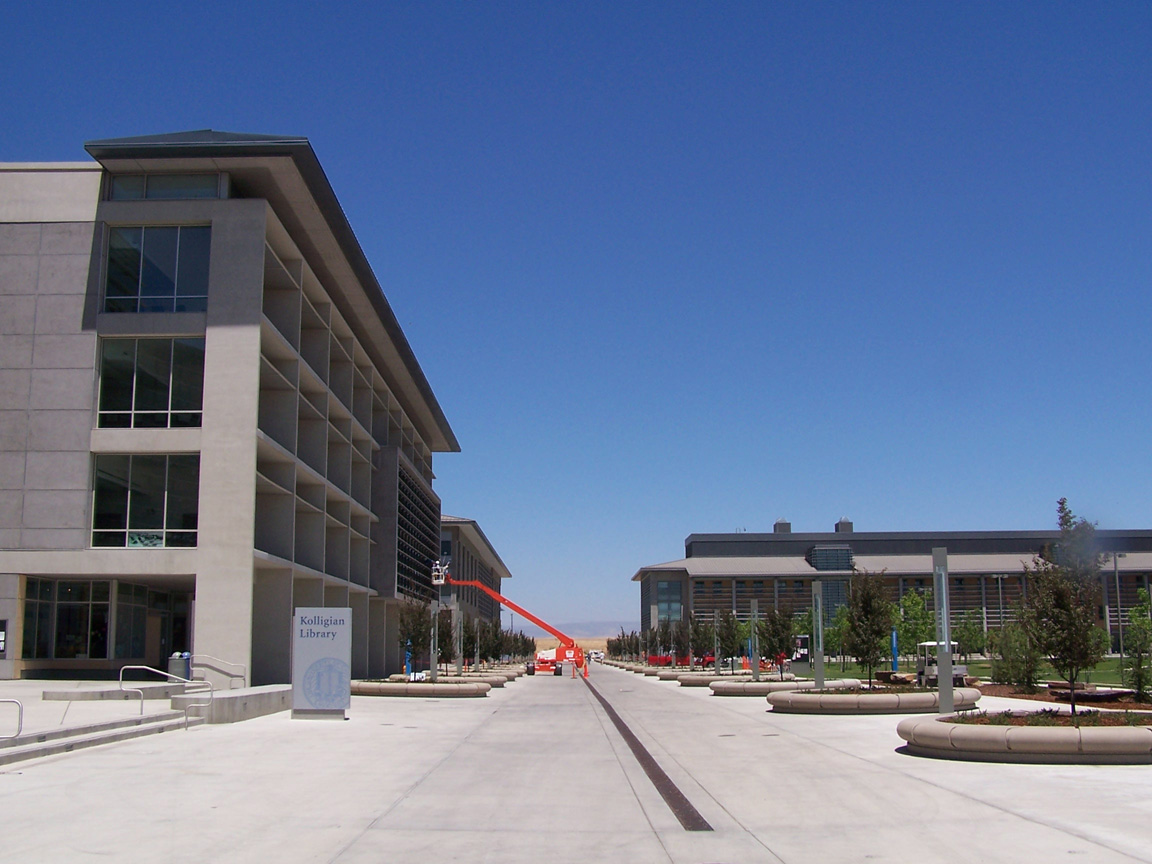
(179, 665)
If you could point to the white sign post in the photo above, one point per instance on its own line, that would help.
(321, 663)
(943, 628)
(816, 643)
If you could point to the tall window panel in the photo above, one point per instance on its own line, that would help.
(157, 269)
(145, 500)
(151, 383)
(668, 601)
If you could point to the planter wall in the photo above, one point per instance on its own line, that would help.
(1116, 745)
(798, 702)
(464, 689)
(763, 688)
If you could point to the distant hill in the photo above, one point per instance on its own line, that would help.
(581, 629)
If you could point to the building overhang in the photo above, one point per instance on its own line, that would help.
(285, 171)
(476, 537)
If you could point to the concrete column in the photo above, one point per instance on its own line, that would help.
(271, 629)
(225, 579)
(377, 636)
(358, 601)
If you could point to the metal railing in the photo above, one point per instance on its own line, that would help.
(242, 675)
(199, 685)
(19, 717)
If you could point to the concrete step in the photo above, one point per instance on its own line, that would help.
(37, 744)
(158, 690)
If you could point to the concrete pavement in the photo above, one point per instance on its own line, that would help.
(536, 772)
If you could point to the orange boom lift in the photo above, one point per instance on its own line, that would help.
(568, 649)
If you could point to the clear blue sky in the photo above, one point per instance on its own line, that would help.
(677, 268)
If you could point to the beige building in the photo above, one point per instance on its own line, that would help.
(209, 415)
(472, 557)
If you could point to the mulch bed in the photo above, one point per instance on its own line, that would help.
(1123, 703)
(1051, 717)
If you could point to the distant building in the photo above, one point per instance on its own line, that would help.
(209, 415)
(472, 557)
(725, 572)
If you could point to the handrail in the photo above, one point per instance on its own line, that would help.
(19, 717)
(232, 676)
(169, 676)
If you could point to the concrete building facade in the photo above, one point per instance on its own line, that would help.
(209, 415)
(471, 556)
(725, 572)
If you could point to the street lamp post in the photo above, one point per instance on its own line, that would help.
(1119, 619)
(999, 577)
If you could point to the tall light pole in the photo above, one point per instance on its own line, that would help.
(1119, 619)
(999, 577)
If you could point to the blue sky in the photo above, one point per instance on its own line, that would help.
(685, 267)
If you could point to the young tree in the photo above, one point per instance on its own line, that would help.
(681, 640)
(414, 628)
(1063, 594)
(663, 643)
(493, 642)
(869, 619)
(1015, 655)
(916, 623)
(468, 638)
(776, 634)
(446, 644)
(969, 634)
(837, 633)
(702, 637)
(1138, 644)
(729, 632)
(802, 626)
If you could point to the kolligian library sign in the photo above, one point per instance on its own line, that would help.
(321, 662)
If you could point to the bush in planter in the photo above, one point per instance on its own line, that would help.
(1138, 644)
(1015, 657)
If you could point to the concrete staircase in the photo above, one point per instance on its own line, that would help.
(33, 745)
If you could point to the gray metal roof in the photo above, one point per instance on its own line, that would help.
(212, 144)
(892, 565)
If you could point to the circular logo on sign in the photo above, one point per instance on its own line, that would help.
(326, 683)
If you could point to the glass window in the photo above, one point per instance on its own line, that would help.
(146, 500)
(71, 630)
(131, 621)
(157, 269)
(182, 185)
(133, 187)
(123, 285)
(127, 187)
(668, 600)
(151, 383)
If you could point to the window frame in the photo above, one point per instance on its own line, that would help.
(134, 415)
(157, 533)
(118, 304)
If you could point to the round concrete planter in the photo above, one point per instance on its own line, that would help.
(703, 679)
(491, 680)
(463, 689)
(1092, 745)
(796, 702)
(763, 688)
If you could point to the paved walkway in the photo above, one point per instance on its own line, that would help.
(536, 772)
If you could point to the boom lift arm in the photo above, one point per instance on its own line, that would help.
(565, 640)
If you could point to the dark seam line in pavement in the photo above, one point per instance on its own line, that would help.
(681, 807)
